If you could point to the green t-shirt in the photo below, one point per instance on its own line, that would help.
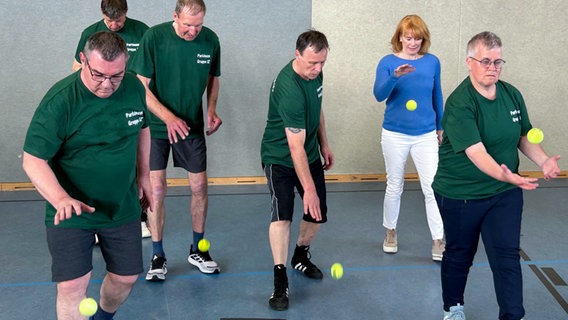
(470, 118)
(90, 144)
(131, 33)
(294, 103)
(179, 71)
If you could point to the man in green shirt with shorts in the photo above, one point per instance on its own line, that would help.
(293, 140)
(131, 31)
(87, 153)
(115, 20)
(176, 62)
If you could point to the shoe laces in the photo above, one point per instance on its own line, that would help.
(456, 313)
(280, 290)
(158, 262)
(202, 256)
(280, 287)
(304, 259)
(391, 236)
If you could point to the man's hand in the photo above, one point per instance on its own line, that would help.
(213, 123)
(312, 204)
(176, 127)
(67, 206)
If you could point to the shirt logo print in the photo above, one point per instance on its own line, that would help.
(134, 118)
(515, 115)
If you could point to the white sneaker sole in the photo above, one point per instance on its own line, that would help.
(204, 269)
(156, 276)
(145, 231)
(390, 249)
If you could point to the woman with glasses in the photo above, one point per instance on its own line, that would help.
(477, 185)
(409, 81)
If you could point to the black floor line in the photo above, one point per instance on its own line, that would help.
(544, 280)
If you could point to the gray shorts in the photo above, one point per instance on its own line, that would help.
(190, 154)
(72, 250)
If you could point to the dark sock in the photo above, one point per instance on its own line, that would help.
(280, 277)
(103, 315)
(301, 251)
(279, 268)
(196, 237)
(158, 249)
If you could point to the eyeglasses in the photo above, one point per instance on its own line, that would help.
(486, 63)
(101, 77)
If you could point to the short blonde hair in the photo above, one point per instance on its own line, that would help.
(415, 25)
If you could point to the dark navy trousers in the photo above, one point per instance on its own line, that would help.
(497, 220)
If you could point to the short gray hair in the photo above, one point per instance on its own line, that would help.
(485, 38)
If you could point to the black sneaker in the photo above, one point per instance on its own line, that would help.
(279, 298)
(301, 262)
(158, 269)
(203, 261)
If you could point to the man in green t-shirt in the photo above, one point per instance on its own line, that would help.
(293, 140)
(87, 153)
(177, 62)
(115, 20)
(477, 185)
(131, 31)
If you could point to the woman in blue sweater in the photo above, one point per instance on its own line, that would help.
(409, 80)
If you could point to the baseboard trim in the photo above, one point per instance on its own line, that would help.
(254, 180)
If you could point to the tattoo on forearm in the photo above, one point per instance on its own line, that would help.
(294, 130)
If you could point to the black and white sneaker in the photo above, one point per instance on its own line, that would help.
(301, 262)
(203, 261)
(158, 269)
(279, 298)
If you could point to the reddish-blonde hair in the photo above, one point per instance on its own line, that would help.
(417, 27)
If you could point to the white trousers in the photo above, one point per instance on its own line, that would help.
(424, 151)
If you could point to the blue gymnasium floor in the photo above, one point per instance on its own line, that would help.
(375, 285)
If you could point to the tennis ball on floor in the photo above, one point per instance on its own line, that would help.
(535, 136)
(88, 307)
(336, 271)
(203, 245)
(411, 105)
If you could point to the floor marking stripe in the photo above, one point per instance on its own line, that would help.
(553, 276)
(555, 294)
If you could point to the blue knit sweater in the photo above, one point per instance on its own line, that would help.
(422, 85)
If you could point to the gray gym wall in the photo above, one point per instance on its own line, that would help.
(258, 39)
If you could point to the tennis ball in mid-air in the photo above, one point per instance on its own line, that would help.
(411, 105)
(336, 271)
(535, 136)
(203, 245)
(88, 307)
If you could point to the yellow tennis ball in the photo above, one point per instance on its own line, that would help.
(203, 245)
(411, 105)
(336, 271)
(88, 307)
(535, 136)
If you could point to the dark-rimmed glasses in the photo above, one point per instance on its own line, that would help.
(486, 63)
(101, 77)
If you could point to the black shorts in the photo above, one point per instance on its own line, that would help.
(281, 182)
(190, 154)
(72, 250)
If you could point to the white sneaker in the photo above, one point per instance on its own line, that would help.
(455, 313)
(438, 250)
(390, 245)
(158, 269)
(145, 231)
(203, 261)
